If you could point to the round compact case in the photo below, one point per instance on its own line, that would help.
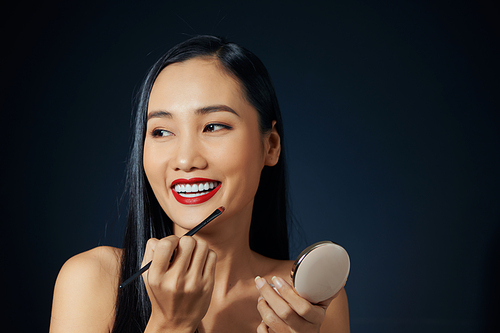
(320, 271)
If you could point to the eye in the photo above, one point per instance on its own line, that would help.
(216, 127)
(161, 133)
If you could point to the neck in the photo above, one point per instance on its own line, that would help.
(228, 236)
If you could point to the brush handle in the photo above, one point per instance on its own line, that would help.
(212, 216)
(136, 275)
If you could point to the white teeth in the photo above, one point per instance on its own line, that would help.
(192, 190)
(191, 195)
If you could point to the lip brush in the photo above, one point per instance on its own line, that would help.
(191, 232)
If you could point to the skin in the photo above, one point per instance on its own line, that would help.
(211, 284)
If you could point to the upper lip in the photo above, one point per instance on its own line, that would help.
(191, 181)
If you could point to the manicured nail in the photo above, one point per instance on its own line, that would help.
(277, 282)
(259, 282)
(260, 298)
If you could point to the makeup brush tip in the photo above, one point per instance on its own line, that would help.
(222, 209)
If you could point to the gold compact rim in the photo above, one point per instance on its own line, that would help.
(302, 256)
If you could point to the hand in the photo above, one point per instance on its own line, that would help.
(287, 311)
(180, 291)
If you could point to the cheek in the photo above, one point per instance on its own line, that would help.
(147, 161)
(245, 159)
(152, 164)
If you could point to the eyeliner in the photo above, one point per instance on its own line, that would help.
(191, 232)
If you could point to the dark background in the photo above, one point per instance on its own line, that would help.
(392, 121)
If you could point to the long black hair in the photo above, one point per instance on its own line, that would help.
(146, 219)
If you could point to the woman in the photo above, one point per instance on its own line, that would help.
(208, 122)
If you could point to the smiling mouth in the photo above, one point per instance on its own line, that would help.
(196, 189)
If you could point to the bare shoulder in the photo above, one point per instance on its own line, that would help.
(85, 292)
(337, 315)
(98, 267)
(103, 257)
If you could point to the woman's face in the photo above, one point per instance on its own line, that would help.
(203, 146)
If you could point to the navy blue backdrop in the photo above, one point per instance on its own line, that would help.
(392, 120)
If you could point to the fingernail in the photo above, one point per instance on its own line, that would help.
(259, 282)
(260, 298)
(277, 282)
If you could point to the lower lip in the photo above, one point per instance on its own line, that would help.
(196, 200)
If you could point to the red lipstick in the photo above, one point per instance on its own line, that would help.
(207, 195)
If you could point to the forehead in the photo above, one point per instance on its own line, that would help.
(193, 84)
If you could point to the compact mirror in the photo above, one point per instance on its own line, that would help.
(320, 271)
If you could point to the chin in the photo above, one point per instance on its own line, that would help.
(188, 217)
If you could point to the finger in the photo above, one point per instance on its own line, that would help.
(277, 304)
(199, 258)
(183, 255)
(163, 250)
(269, 317)
(148, 256)
(210, 263)
(262, 328)
(149, 252)
(302, 307)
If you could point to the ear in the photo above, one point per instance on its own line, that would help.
(273, 146)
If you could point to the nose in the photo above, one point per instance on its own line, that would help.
(188, 155)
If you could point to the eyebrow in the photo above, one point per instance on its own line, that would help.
(216, 108)
(202, 111)
(159, 114)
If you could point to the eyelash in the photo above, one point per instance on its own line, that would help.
(208, 128)
(159, 133)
